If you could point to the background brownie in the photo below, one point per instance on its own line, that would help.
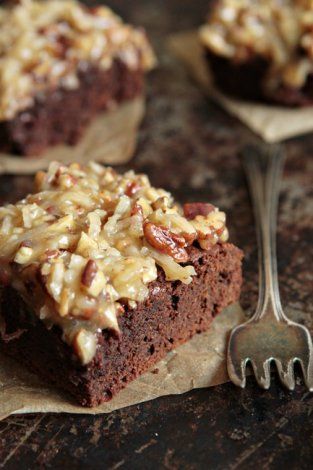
(80, 61)
(245, 81)
(261, 51)
(62, 115)
(172, 314)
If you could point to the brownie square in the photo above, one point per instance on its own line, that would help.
(61, 116)
(80, 61)
(102, 274)
(261, 52)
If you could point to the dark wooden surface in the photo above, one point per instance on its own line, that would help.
(191, 147)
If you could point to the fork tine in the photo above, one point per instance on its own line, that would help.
(262, 374)
(237, 371)
(307, 370)
(286, 374)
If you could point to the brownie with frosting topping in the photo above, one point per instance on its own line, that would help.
(102, 274)
(61, 64)
(261, 51)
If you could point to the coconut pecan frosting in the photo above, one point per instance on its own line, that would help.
(43, 44)
(280, 31)
(90, 241)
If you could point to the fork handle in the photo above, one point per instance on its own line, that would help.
(263, 166)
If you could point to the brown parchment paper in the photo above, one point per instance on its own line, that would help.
(110, 139)
(272, 123)
(196, 364)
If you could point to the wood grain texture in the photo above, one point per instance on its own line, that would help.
(191, 147)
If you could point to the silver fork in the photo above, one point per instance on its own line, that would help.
(269, 336)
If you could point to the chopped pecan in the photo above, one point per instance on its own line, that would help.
(87, 313)
(39, 180)
(132, 188)
(137, 209)
(62, 169)
(192, 209)
(49, 30)
(214, 232)
(61, 45)
(160, 203)
(27, 243)
(218, 231)
(62, 177)
(163, 240)
(206, 243)
(51, 210)
(69, 180)
(89, 273)
(80, 210)
(93, 10)
(49, 254)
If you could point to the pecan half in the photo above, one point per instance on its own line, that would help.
(165, 241)
(178, 239)
(189, 237)
(192, 209)
(89, 273)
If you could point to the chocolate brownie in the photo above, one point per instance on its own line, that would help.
(102, 274)
(264, 53)
(61, 115)
(171, 315)
(80, 62)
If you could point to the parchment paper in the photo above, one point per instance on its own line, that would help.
(110, 139)
(196, 364)
(272, 123)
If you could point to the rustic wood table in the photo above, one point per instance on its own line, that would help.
(190, 146)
